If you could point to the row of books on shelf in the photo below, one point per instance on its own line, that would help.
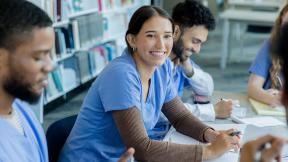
(88, 30)
(60, 10)
(78, 69)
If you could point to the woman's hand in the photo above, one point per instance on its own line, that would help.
(276, 97)
(222, 143)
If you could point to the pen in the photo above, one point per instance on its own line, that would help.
(235, 133)
(262, 147)
(234, 102)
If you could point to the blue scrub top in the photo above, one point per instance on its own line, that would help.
(95, 136)
(29, 147)
(262, 63)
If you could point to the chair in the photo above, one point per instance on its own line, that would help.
(57, 134)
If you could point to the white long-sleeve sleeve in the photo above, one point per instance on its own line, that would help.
(201, 83)
(204, 112)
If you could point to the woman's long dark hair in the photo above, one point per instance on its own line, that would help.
(282, 50)
(140, 16)
(277, 63)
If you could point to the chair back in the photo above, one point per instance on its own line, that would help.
(57, 134)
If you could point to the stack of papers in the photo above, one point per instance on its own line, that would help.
(261, 121)
(264, 109)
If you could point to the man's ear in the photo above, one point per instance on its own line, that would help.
(131, 40)
(177, 32)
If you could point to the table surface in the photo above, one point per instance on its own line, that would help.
(251, 131)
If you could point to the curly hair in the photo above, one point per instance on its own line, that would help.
(276, 67)
(17, 19)
(190, 13)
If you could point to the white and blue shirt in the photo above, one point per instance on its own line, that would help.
(16, 147)
(201, 83)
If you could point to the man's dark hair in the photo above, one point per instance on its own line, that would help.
(190, 13)
(17, 20)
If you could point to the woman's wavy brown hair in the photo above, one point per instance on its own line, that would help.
(277, 63)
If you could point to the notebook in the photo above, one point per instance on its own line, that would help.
(264, 109)
(231, 156)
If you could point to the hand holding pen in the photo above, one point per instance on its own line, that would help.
(222, 143)
(223, 108)
(235, 133)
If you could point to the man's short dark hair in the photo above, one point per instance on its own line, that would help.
(192, 12)
(17, 19)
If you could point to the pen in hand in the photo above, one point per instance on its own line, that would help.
(234, 102)
(235, 133)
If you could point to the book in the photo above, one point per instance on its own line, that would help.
(84, 67)
(68, 35)
(51, 89)
(264, 109)
(56, 75)
(74, 64)
(60, 43)
(75, 32)
(87, 30)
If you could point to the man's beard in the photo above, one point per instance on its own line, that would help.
(178, 50)
(17, 88)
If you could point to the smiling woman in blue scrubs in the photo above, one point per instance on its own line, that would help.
(126, 99)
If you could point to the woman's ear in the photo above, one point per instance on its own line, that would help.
(177, 32)
(131, 40)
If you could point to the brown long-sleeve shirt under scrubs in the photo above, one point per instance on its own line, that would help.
(133, 133)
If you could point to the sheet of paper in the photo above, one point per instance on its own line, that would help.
(176, 137)
(261, 121)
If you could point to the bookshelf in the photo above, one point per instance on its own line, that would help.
(88, 35)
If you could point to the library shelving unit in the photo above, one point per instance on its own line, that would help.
(88, 35)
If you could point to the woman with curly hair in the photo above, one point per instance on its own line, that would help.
(265, 82)
(272, 153)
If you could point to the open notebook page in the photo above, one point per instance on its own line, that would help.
(231, 156)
